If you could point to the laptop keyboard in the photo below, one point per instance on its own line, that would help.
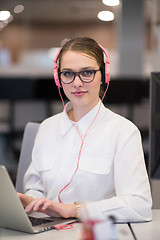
(38, 221)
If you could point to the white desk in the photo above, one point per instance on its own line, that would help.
(69, 234)
(148, 230)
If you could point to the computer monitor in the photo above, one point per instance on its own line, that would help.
(154, 155)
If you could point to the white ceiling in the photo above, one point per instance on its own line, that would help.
(45, 12)
(51, 11)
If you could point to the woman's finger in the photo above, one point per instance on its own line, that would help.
(48, 204)
(30, 206)
(39, 204)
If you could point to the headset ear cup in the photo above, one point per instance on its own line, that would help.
(56, 78)
(107, 72)
(56, 70)
(59, 79)
(106, 66)
(103, 73)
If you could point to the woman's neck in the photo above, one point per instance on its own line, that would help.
(76, 113)
(75, 116)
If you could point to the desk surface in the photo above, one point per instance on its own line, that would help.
(148, 230)
(74, 233)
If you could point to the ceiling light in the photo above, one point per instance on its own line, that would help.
(18, 8)
(106, 16)
(4, 15)
(111, 2)
(1, 25)
(10, 19)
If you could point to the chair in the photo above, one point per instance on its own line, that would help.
(26, 153)
(24, 111)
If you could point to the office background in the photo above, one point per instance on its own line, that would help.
(28, 44)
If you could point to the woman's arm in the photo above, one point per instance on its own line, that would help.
(133, 201)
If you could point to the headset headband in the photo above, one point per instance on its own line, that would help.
(106, 66)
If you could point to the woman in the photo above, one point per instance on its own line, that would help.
(87, 153)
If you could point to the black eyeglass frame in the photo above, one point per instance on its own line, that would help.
(78, 73)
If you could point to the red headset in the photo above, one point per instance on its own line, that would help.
(106, 68)
(106, 77)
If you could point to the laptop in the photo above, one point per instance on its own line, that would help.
(13, 215)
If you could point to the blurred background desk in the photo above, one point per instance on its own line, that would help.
(69, 234)
(148, 230)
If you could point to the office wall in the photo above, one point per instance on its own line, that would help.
(44, 36)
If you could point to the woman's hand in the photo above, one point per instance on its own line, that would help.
(51, 208)
(26, 200)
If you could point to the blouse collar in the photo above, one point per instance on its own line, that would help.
(85, 122)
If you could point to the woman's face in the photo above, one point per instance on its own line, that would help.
(81, 94)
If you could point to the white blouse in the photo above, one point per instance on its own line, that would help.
(111, 176)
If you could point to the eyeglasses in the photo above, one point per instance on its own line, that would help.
(85, 76)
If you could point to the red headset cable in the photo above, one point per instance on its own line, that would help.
(79, 155)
